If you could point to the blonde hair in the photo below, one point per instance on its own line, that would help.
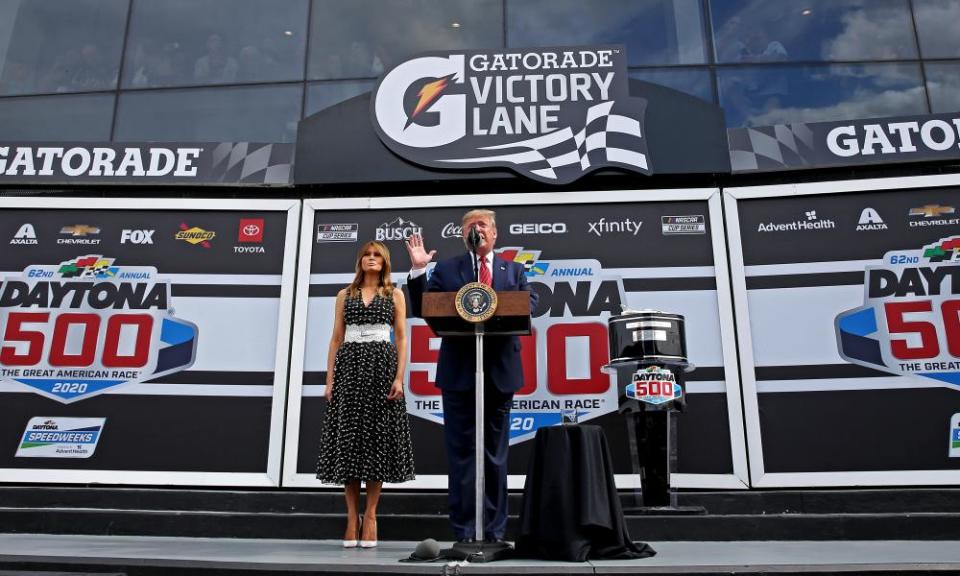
(480, 213)
(385, 284)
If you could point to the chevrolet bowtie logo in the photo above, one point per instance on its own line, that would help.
(931, 210)
(79, 230)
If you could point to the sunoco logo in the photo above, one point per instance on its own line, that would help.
(551, 114)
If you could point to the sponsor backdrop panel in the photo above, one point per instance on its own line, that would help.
(586, 261)
(143, 342)
(850, 330)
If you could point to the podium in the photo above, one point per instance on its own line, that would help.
(511, 317)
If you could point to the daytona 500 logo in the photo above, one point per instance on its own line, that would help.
(910, 321)
(550, 114)
(76, 329)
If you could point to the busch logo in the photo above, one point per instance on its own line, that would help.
(547, 114)
(910, 321)
(78, 328)
(399, 229)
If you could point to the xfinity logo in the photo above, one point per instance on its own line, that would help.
(870, 220)
(136, 236)
(398, 229)
(544, 228)
(98, 161)
(604, 226)
(25, 236)
(551, 114)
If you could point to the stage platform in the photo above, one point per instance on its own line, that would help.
(35, 554)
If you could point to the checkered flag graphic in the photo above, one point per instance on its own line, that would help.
(607, 139)
(249, 163)
(770, 147)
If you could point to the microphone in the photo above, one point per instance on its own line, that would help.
(426, 550)
(473, 239)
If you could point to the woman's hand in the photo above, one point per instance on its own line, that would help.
(328, 393)
(396, 391)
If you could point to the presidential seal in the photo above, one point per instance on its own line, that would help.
(476, 302)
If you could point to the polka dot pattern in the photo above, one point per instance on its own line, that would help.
(365, 436)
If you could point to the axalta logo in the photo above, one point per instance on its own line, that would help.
(25, 236)
(870, 220)
(538, 228)
(195, 235)
(547, 114)
(810, 222)
(618, 226)
(398, 229)
(79, 235)
(930, 215)
(136, 236)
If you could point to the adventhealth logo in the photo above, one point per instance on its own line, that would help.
(810, 222)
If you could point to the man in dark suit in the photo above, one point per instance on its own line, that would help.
(456, 377)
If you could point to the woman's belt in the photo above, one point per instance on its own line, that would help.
(367, 333)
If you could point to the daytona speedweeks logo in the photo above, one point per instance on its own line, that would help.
(550, 114)
(910, 321)
(76, 329)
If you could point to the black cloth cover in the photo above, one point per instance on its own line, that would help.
(571, 510)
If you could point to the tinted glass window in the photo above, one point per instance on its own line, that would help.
(654, 31)
(252, 114)
(695, 82)
(80, 118)
(184, 42)
(325, 94)
(764, 95)
(943, 83)
(937, 27)
(361, 38)
(777, 30)
(60, 46)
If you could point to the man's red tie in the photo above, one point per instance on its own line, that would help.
(484, 273)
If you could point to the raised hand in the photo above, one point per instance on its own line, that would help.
(419, 257)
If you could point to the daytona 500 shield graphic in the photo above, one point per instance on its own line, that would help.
(910, 321)
(552, 114)
(76, 329)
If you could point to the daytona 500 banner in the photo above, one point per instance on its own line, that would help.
(850, 331)
(587, 256)
(139, 340)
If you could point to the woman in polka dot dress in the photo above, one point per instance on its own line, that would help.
(366, 433)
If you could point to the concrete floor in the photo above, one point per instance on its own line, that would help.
(328, 555)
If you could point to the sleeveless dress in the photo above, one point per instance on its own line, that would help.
(364, 435)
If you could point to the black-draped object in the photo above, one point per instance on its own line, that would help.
(571, 510)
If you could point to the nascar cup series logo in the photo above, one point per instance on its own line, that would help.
(76, 329)
(910, 321)
(552, 114)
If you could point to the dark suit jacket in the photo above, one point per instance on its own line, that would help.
(456, 369)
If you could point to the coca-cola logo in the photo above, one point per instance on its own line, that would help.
(451, 230)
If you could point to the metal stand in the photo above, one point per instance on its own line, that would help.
(480, 551)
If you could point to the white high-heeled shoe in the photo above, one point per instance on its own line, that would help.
(369, 543)
(353, 543)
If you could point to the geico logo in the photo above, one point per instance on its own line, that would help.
(136, 236)
(541, 228)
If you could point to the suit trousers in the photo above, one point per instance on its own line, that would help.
(458, 419)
